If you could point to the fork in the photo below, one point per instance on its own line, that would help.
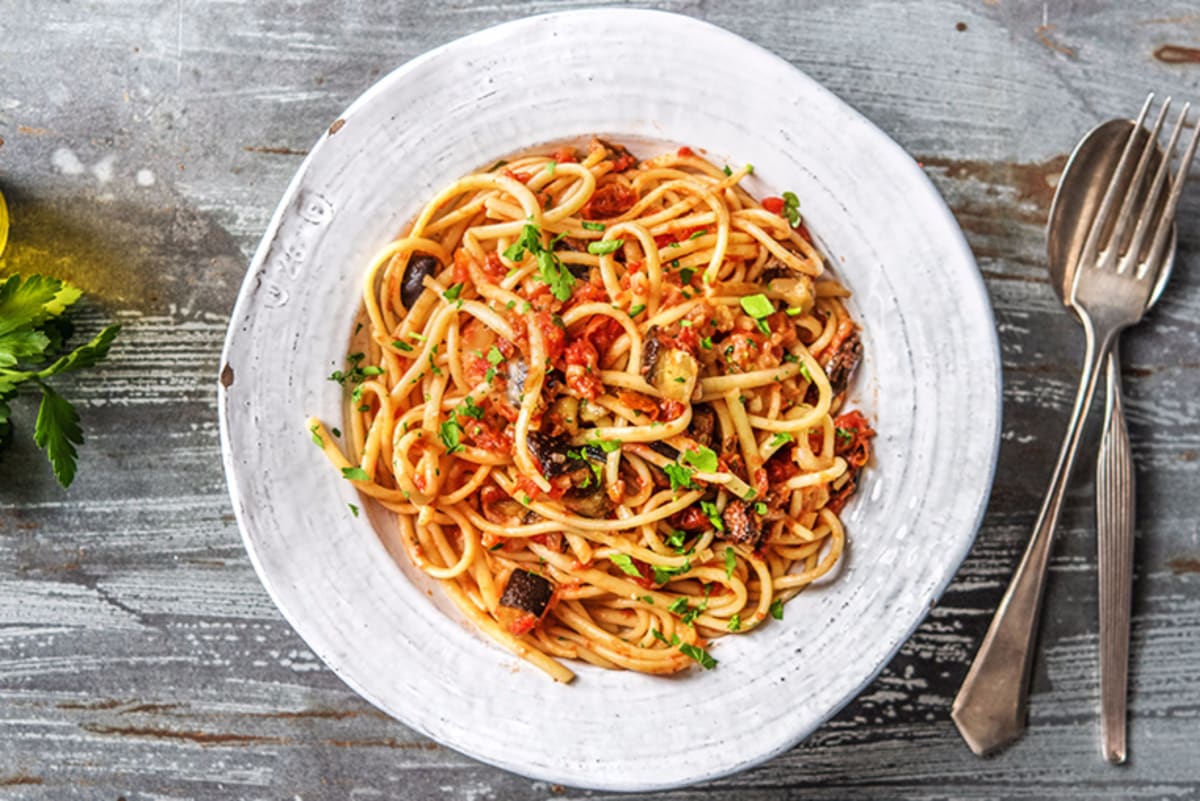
(1112, 283)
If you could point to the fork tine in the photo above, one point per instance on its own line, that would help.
(1092, 244)
(1181, 174)
(1147, 217)
(1126, 216)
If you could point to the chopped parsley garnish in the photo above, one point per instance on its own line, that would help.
(780, 438)
(730, 561)
(316, 437)
(676, 538)
(727, 171)
(713, 514)
(760, 508)
(792, 311)
(804, 372)
(337, 432)
(790, 357)
(679, 606)
(680, 476)
(658, 635)
(603, 248)
(625, 563)
(592, 226)
(355, 474)
(685, 275)
(606, 445)
(791, 208)
(704, 658)
(664, 574)
(453, 292)
(494, 356)
(698, 234)
(704, 459)
(404, 346)
(758, 306)
(470, 409)
(450, 433)
(777, 609)
(647, 598)
(636, 310)
(353, 509)
(550, 269)
(551, 167)
(735, 622)
(706, 343)
(372, 370)
(845, 434)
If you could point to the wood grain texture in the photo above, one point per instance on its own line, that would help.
(144, 148)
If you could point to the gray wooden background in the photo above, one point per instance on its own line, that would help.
(145, 145)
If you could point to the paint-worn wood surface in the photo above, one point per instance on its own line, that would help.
(144, 147)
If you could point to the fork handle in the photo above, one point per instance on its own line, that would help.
(1115, 519)
(989, 709)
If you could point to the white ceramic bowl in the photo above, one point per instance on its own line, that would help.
(930, 382)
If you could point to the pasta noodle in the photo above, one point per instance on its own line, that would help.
(603, 398)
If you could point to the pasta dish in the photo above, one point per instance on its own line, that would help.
(604, 399)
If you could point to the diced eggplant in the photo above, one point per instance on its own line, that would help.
(664, 449)
(592, 501)
(672, 371)
(703, 427)
(420, 266)
(524, 602)
(741, 525)
(528, 592)
(551, 454)
(840, 366)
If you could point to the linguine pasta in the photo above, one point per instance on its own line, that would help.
(603, 398)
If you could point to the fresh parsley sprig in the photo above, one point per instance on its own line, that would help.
(33, 334)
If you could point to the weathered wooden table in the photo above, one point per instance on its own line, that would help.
(145, 146)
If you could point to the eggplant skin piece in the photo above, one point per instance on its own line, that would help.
(413, 284)
(528, 592)
(842, 363)
(551, 454)
(741, 526)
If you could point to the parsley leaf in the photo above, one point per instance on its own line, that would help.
(604, 247)
(494, 356)
(317, 439)
(634, 311)
(449, 433)
(699, 654)
(780, 438)
(664, 574)
(777, 609)
(713, 514)
(704, 459)
(355, 474)
(453, 292)
(353, 509)
(32, 332)
(735, 622)
(791, 208)
(606, 445)
(592, 226)
(679, 606)
(57, 431)
(758, 306)
(625, 563)
(730, 561)
(680, 476)
(550, 269)
(470, 409)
